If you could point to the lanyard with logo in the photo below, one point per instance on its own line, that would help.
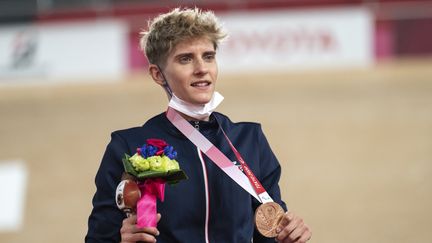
(247, 180)
(269, 213)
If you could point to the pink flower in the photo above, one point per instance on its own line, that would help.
(158, 143)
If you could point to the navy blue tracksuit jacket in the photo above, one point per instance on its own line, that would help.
(209, 206)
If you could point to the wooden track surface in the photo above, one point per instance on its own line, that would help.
(355, 147)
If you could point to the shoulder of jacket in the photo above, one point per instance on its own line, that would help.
(125, 134)
(133, 131)
(252, 125)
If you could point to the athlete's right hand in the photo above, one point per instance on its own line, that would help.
(130, 233)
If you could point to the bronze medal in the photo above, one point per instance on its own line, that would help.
(127, 196)
(267, 218)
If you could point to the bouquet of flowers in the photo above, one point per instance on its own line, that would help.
(155, 159)
(151, 167)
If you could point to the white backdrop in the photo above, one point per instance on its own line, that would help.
(63, 51)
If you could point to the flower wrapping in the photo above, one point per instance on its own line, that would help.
(151, 189)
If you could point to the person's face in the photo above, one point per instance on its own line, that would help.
(191, 70)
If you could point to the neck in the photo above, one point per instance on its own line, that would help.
(188, 118)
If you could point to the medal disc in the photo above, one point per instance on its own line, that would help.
(267, 217)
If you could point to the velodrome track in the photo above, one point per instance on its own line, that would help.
(355, 146)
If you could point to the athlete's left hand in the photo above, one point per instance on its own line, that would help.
(292, 229)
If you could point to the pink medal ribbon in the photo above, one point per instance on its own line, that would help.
(247, 180)
(151, 189)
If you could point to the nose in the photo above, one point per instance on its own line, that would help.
(200, 67)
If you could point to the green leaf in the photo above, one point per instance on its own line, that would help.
(128, 166)
(171, 176)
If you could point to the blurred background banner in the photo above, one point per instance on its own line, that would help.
(70, 51)
(342, 88)
(281, 40)
(51, 40)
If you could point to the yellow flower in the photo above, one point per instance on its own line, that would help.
(155, 163)
(139, 163)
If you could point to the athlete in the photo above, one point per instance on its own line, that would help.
(210, 206)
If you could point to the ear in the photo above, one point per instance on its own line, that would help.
(156, 74)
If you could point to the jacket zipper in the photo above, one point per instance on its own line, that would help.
(207, 195)
(196, 125)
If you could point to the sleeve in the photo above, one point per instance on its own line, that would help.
(269, 175)
(105, 220)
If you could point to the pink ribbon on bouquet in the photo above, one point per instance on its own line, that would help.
(151, 189)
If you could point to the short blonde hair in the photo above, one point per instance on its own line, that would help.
(167, 30)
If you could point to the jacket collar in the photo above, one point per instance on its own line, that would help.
(205, 127)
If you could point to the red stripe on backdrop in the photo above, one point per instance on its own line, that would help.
(389, 27)
(137, 59)
(384, 39)
(146, 10)
(413, 37)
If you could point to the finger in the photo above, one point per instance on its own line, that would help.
(307, 234)
(286, 232)
(286, 218)
(128, 225)
(159, 216)
(148, 230)
(143, 237)
(296, 233)
(130, 220)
